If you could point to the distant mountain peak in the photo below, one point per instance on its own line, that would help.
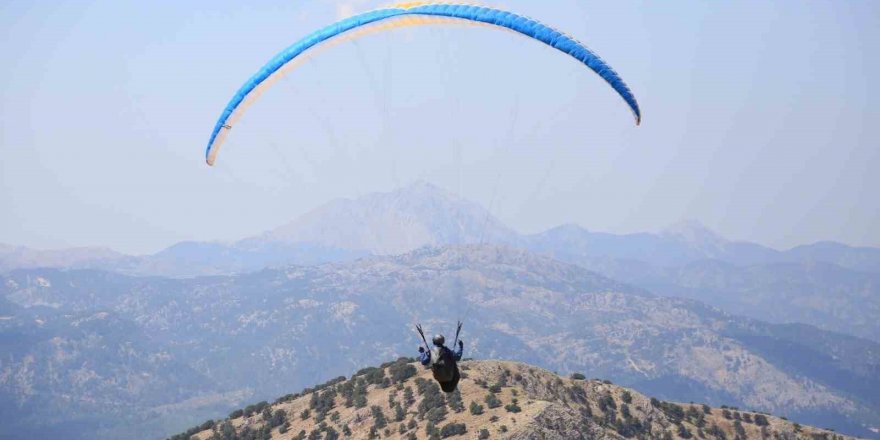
(388, 223)
(568, 227)
(424, 187)
(692, 231)
(688, 225)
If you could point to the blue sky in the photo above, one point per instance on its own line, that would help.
(758, 119)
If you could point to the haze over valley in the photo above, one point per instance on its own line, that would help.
(163, 341)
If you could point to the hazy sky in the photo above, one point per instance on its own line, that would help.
(759, 119)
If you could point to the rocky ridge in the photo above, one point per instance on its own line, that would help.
(495, 400)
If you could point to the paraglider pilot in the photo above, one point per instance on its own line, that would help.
(443, 362)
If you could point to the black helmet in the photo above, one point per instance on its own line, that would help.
(438, 340)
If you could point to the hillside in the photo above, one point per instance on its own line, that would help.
(822, 294)
(160, 354)
(833, 287)
(829, 285)
(495, 400)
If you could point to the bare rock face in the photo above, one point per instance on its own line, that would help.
(558, 422)
(495, 400)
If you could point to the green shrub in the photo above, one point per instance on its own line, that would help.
(436, 415)
(673, 411)
(278, 418)
(378, 417)
(607, 403)
(401, 372)
(359, 394)
(408, 397)
(624, 411)
(453, 399)
(683, 432)
(513, 407)
(476, 409)
(716, 432)
(452, 429)
(432, 402)
(492, 401)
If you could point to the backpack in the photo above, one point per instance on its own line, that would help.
(442, 364)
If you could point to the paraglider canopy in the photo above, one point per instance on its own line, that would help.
(406, 15)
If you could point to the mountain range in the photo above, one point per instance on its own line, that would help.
(421, 215)
(830, 285)
(113, 354)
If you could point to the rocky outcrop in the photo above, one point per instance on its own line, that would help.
(495, 400)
